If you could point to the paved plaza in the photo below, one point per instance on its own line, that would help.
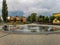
(29, 39)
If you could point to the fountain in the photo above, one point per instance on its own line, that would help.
(31, 28)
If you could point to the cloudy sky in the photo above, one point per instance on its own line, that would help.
(26, 7)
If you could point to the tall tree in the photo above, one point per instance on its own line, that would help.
(33, 17)
(4, 11)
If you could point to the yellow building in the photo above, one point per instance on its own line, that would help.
(56, 14)
(56, 21)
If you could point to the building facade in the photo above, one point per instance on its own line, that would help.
(17, 19)
(56, 21)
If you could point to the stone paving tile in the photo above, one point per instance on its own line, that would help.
(22, 39)
(2, 34)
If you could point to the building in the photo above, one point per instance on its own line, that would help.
(17, 19)
(56, 14)
(24, 19)
(11, 18)
(56, 21)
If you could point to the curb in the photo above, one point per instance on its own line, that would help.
(38, 33)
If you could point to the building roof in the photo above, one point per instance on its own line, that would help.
(56, 14)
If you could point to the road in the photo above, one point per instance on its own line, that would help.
(29, 39)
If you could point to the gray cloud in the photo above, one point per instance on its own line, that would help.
(28, 6)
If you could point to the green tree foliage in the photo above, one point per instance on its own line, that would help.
(46, 19)
(0, 20)
(51, 18)
(33, 17)
(4, 11)
(41, 19)
(29, 19)
(58, 18)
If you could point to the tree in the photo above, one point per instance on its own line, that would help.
(41, 19)
(58, 18)
(28, 19)
(46, 19)
(4, 11)
(0, 20)
(51, 18)
(33, 17)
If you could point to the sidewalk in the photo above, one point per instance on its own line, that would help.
(21, 39)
